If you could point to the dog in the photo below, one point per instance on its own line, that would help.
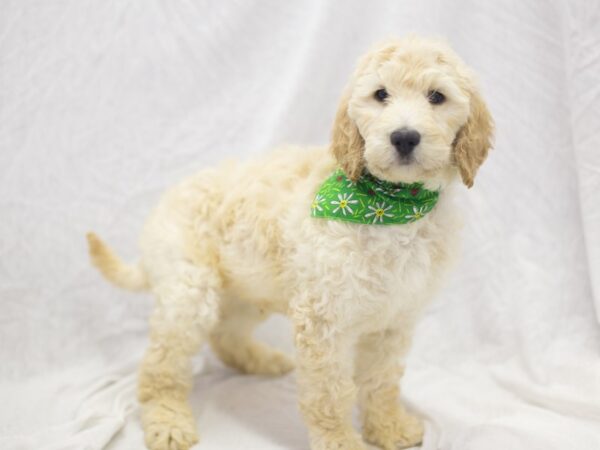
(226, 248)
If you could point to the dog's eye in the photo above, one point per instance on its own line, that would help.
(435, 97)
(380, 95)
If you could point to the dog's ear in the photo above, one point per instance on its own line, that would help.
(474, 140)
(347, 144)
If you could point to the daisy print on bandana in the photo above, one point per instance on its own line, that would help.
(371, 201)
(416, 214)
(316, 204)
(379, 212)
(343, 203)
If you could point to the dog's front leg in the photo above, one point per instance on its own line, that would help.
(378, 370)
(326, 389)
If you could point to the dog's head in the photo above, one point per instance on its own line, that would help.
(412, 112)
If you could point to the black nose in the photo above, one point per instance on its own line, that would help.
(405, 140)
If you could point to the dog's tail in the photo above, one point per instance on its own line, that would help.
(126, 276)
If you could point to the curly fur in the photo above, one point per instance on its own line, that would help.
(219, 257)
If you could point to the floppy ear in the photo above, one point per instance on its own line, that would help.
(474, 140)
(347, 144)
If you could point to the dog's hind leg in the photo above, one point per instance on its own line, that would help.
(233, 342)
(187, 304)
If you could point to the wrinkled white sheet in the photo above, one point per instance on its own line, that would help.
(103, 104)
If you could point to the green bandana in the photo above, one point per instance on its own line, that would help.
(371, 201)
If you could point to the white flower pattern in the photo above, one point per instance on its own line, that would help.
(344, 203)
(372, 201)
(316, 204)
(379, 212)
(417, 213)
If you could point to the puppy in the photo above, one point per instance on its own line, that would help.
(229, 246)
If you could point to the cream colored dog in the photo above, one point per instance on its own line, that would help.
(227, 247)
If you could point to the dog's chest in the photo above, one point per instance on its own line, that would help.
(374, 276)
(398, 274)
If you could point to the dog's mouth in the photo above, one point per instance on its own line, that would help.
(406, 160)
(398, 168)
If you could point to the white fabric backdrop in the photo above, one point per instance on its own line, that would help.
(103, 104)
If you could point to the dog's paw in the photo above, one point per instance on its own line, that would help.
(272, 363)
(397, 433)
(251, 357)
(411, 432)
(169, 426)
(257, 359)
(342, 440)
